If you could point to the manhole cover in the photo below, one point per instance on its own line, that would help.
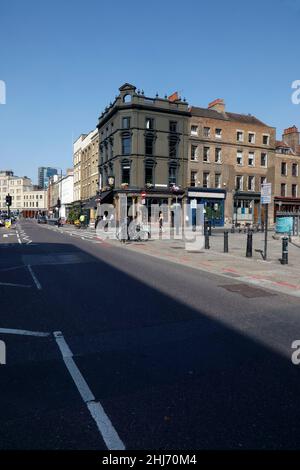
(247, 291)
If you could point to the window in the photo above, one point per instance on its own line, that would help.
(239, 183)
(149, 172)
(218, 155)
(173, 147)
(205, 179)
(266, 139)
(239, 157)
(206, 131)
(251, 159)
(126, 123)
(295, 169)
(294, 190)
(218, 133)
(206, 154)
(251, 138)
(149, 123)
(173, 126)
(283, 189)
(194, 152)
(149, 144)
(127, 99)
(240, 136)
(172, 174)
(263, 180)
(193, 178)
(283, 169)
(194, 130)
(251, 183)
(125, 172)
(217, 180)
(263, 159)
(126, 144)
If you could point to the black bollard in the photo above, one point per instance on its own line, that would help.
(232, 230)
(285, 250)
(226, 241)
(207, 247)
(249, 244)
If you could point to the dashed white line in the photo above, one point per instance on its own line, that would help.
(35, 279)
(105, 426)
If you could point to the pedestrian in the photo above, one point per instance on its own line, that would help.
(160, 221)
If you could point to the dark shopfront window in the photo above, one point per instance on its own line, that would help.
(214, 211)
(157, 202)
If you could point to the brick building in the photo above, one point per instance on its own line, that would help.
(286, 176)
(230, 156)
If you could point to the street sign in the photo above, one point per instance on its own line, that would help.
(266, 193)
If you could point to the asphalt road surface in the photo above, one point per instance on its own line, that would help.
(106, 349)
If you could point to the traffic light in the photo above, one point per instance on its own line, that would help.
(8, 200)
(58, 204)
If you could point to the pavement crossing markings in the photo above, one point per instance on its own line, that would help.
(105, 426)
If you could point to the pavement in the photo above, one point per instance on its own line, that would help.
(110, 347)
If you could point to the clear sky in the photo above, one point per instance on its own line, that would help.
(63, 62)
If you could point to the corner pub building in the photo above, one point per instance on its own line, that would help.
(143, 146)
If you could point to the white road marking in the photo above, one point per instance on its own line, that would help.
(37, 283)
(9, 284)
(19, 239)
(105, 426)
(10, 331)
(5, 236)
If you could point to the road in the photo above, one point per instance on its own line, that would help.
(110, 349)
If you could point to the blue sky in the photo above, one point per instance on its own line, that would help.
(63, 62)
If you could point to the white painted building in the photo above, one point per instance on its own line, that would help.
(67, 194)
(15, 186)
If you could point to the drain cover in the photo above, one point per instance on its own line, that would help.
(247, 291)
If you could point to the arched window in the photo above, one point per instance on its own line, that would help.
(127, 98)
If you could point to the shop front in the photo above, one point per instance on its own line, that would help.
(247, 208)
(213, 201)
(286, 205)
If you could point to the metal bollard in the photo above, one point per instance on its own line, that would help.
(226, 241)
(285, 250)
(249, 244)
(207, 247)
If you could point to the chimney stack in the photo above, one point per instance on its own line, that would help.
(291, 137)
(217, 105)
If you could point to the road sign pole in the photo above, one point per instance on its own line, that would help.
(266, 231)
